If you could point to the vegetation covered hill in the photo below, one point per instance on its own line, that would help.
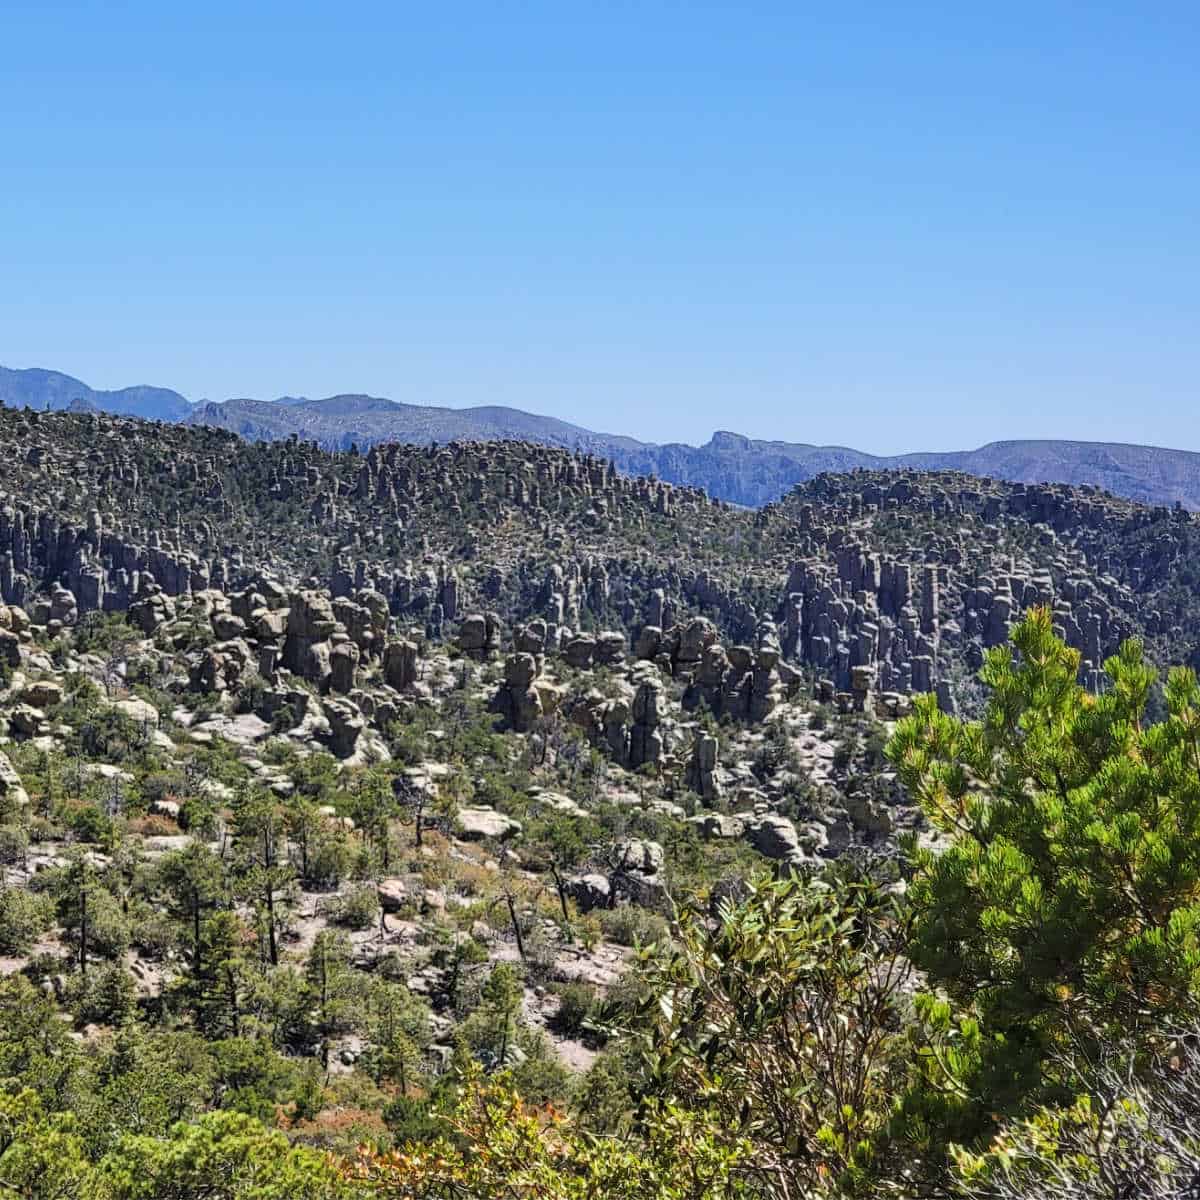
(900, 577)
(475, 820)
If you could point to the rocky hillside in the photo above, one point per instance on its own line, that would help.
(327, 778)
(909, 574)
(349, 769)
(734, 468)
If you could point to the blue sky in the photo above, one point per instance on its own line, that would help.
(890, 226)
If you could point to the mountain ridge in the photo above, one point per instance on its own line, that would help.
(731, 466)
(38, 387)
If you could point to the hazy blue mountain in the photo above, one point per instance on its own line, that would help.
(338, 421)
(38, 388)
(756, 472)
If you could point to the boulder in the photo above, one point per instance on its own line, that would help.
(718, 825)
(694, 637)
(637, 875)
(343, 667)
(473, 635)
(267, 624)
(590, 892)
(610, 648)
(648, 642)
(531, 638)
(400, 665)
(700, 775)
(520, 670)
(10, 649)
(152, 610)
(226, 626)
(310, 625)
(517, 700)
(478, 824)
(208, 674)
(27, 720)
(167, 843)
(579, 651)
(645, 741)
(42, 693)
(346, 724)
(316, 663)
(140, 712)
(775, 837)
(635, 854)
(63, 606)
(393, 894)
(310, 616)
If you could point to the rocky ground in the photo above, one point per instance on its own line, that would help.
(622, 782)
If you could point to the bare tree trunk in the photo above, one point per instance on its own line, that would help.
(272, 947)
(560, 888)
(231, 987)
(324, 1010)
(83, 926)
(196, 930)
(512, 912)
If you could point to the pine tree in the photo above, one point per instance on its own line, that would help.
(334, 989)
(501, 1000)
(75, 901)
(398, 1027)
(374, 807)
(194, 881)
(215, 981)
(1065, 909)
(266, 872)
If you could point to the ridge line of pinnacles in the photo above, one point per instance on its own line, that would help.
(863, 588)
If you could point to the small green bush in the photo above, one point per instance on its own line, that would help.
(14, 844)
(23, 916)
(629, 925)
(576, 1003)
(107, 996)
(356, 909)
(89, 824)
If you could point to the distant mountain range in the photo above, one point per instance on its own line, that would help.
(37, 388)
(735, 468)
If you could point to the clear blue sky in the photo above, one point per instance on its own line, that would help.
(894, 226)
